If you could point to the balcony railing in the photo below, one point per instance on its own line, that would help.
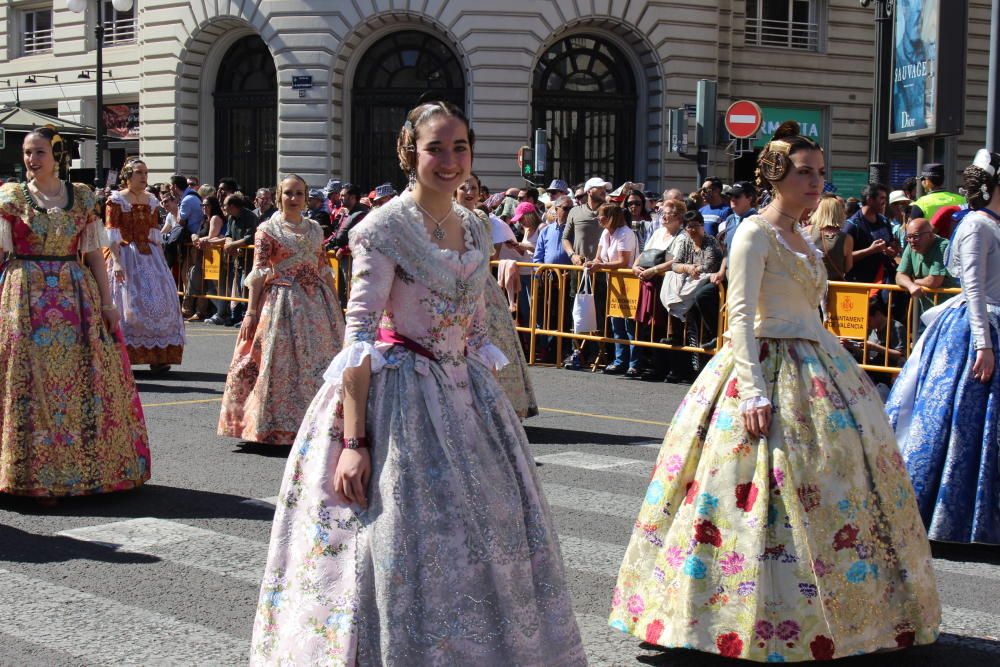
(38, 41)
(119, 31)
(788, 34)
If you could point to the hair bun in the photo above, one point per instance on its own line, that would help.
(789, 128)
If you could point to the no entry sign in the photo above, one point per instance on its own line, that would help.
(743, 119)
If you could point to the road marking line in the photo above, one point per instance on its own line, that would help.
(598, 502)
(180, 543)
(608, 417)
(103, 631)
(192, 401)
(597, 462)
(972, 569)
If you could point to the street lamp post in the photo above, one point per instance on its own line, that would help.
(78, 7)
(878, 169)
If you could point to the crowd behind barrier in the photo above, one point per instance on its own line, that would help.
(550, 320)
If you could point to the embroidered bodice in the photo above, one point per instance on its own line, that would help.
(132, 223)
(27, 228)
(284, 253)
(774, 292)
(403, 281)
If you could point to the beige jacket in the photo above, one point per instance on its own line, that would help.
(773, 293)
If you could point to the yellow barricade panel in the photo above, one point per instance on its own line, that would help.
(623, 296)
(848, 311)
(211, 264)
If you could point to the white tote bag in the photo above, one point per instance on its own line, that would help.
(584, 309)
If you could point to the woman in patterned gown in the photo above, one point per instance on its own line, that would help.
(514, 376)
(293, 326)
(71, 419)
(779, 524)
(448, 556)
(143, 289)
(945, 406)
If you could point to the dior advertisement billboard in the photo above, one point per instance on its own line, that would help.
(928, 73)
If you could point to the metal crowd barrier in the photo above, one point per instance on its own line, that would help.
(212, 274)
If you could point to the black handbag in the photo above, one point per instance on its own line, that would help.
(650, 258)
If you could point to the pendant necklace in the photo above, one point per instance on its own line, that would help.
(438, 232)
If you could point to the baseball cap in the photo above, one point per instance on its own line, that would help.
(933, 170)
(558, 184)
(897, 196)
(522, 209)
(596, 182)
(742, 188)
(333, 185)
(315, 193)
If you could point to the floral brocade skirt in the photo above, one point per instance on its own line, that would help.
(805, 545)
(948, 426)
(71, 422)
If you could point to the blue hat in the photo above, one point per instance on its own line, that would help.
(558, 184)
(333, 185)
(316, 194)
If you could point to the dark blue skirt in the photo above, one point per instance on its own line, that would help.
(946, 425)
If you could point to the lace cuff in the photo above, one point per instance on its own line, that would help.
(489, 355)
(6, 237)
(351, 357)
(754, 402)
(258, 275)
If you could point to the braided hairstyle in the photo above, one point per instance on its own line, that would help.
(406, 144)
(775, 161)
(127, 170)
(980, 179)
(60, 152)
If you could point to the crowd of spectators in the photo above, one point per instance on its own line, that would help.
(676, 245)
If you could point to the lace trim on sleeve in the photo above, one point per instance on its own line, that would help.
(351, 357)
(6, 237)
(490, 356)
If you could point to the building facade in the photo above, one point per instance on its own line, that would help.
(256, 88)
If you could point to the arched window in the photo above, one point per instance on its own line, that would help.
(585, 97)
(390, 80)
(246, 116)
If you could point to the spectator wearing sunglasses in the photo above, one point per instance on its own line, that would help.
(640, 219)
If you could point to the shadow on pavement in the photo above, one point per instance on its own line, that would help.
(979, 553)
(949, 650)
(174, 389)
(179, 376)
(18, 546)
(150, 500)
(543, 435)
(261, 449)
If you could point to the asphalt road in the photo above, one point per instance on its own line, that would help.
(169, 574)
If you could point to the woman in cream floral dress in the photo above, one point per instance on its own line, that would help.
(70, 415)
(410, 527)
(292, 329)
(779, 524)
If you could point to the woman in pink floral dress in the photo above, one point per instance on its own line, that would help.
(292, 329)
(411, 527)
(780, 524)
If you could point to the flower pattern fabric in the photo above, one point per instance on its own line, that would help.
(455, 561)
(147, 299)
(72, 423)
(803, 545)
(273, 377)
(948, 426)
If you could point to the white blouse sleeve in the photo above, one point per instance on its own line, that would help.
(746, 273)
(972, 243)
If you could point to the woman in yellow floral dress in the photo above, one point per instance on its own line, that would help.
(779, 524)
(71, 419)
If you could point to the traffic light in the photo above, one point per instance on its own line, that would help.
(526, 158)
